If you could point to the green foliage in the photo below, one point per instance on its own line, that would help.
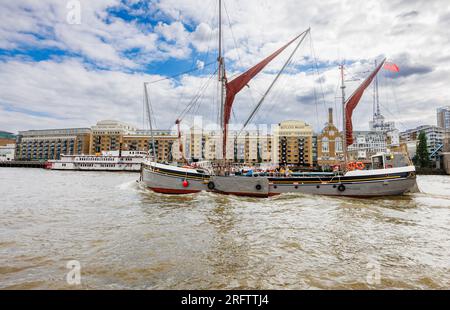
(259, 158)
(422, 155)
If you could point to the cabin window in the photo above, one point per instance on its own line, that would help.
(377, 162)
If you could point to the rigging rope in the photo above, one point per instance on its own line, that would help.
(181, 73)
(274, 81)
(317, 69)
(238, 54)
(195, 99)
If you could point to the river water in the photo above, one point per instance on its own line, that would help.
(125, 237)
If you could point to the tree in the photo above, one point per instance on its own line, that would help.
(422, 155)
(258, 152)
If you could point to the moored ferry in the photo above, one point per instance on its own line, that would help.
(107, 161)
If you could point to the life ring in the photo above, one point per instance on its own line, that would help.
(359, 165)
(351, 166)
(341, 187)
(389, 166)
(211, 185)
(258, 187)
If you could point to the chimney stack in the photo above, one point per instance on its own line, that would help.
(330, 115)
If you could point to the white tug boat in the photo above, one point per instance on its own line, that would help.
(388, 174)
(107, 161)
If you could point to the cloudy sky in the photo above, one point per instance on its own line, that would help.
(62, 69)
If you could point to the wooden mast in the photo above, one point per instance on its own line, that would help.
(222, 79)
(150, 121)
(344, 124)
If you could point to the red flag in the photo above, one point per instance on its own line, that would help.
(391, 67)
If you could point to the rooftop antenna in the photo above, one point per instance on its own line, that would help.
(344, 124)
(376, 99)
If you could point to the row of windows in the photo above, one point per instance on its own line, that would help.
(96, 158)
(48, 145)
(48, 148)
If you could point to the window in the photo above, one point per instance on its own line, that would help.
(338, 144)
(325, 145)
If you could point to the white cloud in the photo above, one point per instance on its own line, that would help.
(414, 34)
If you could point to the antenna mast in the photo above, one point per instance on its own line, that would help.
(376, 99)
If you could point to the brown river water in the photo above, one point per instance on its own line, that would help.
(125, 237)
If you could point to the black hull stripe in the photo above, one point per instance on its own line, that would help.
(180, 175)
(340, 179)
(345, 183)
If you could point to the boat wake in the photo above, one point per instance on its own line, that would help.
(128, 185)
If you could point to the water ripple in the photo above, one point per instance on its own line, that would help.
(125, 236)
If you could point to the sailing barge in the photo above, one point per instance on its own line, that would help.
(385, 181)
(382, 179)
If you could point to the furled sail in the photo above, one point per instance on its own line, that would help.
(236, 85)
(353, 101)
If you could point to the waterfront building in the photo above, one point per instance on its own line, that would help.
(330, 150)
(108, 135)
(111, 135)
(292, 141)
(176, 154)
(446, 141)
(435, 138)
(7, 138)
(213, 146)
(209, 150)
(393, 138)
(241, 148)
(141, 140)
(315, 150)
(249, 147)
(443, 117)
(196, 143)
(366, 144)
(411, 147)
(257, 148)
(252, 148)
(7, 152)
(51, 143)
(446, 152)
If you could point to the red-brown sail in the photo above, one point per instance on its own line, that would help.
(236, 85)
(353, 101)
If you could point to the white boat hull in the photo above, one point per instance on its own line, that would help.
(168, 180)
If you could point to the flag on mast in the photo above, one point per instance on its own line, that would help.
(391, 67)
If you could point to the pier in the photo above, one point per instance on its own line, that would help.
(23, 164)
